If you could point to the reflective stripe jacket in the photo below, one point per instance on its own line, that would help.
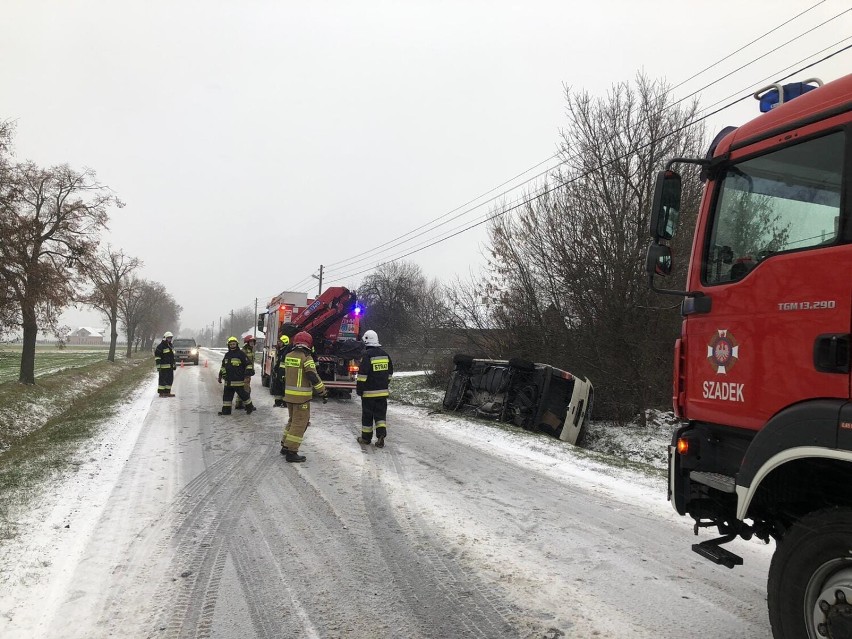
(249, 351)
(278, 367)
(300, 376)
(374, 373)
(233, 368)
(164, 355)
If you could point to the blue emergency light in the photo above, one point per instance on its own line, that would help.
(775, 94)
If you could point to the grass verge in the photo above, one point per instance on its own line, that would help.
(34, 457)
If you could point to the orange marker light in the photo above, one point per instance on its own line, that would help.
(682, 446)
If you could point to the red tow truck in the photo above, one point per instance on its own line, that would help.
(762, 365)
(332, 319)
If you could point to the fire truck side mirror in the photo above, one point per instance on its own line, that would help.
(665, 209)
(659, 260)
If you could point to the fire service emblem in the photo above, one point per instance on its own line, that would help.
(723, 352)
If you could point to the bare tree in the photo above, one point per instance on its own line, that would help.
(8, 307)
(147, 312)
(111, 275)
(392, 296)
(131, 304)
(50, 223)
(567, 267)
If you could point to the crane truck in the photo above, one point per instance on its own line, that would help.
(761, 375)
(332, 319)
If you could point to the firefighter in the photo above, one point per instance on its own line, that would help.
(301, 381)
(374, 375)
(277, 375)
(248, 348)
(164, 361)
(233, 370)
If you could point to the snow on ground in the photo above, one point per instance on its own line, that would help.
(50, 549)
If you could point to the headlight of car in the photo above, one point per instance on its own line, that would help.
(193, 351)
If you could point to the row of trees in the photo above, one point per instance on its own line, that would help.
(51, 221)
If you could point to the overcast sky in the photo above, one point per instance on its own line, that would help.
(235, 128)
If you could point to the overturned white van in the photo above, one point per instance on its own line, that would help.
(533, 396)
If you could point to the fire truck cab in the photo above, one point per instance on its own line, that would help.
(762, 366)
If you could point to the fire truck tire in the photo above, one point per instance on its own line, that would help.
(809, 590)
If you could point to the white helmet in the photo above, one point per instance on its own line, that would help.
(167, 334)
(371, 339)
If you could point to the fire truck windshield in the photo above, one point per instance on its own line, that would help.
(785, 200)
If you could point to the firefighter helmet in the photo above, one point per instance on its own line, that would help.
(371, 339)
(303, 339)
(232, 339)
(285, 340)
(249, 338)
(167, 334)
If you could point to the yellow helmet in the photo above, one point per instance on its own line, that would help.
(285, 340)
(233, 339)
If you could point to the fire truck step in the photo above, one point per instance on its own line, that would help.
(723, 483)
(712, 550)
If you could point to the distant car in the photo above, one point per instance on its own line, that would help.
(186, 350)
(533, 396)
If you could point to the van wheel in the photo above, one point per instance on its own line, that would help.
(809, 590)
(522, 364)
(462, 361)
(456, 387)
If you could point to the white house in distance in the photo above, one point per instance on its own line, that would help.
(86, 335)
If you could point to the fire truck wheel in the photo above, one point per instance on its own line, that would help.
(810, 578)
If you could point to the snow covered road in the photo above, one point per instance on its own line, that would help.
(196, 527)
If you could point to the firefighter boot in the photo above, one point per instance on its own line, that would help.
(250, 409)
(293, 457)
(380, 442)
(362, 441)
(279, 403)
(226, 410)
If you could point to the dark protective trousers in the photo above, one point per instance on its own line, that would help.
(228, 397)
(374, 410)
(277, 386)
(167, 378)
(239, 402)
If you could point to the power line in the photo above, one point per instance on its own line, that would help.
(745, 46)
(781, 46)
(586, 173)
(399, 240)
(555, 155)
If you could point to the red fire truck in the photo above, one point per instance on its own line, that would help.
(762, 366)
(332, 319)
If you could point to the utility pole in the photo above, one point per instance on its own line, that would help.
(319, 277)
(255, 317)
